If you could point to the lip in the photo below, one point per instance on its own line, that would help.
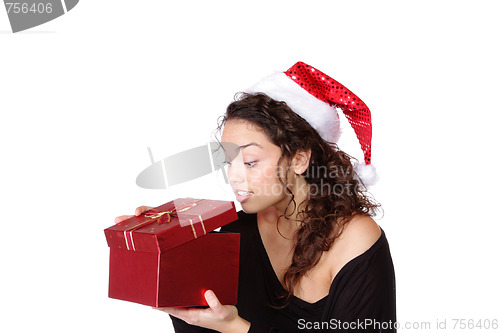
(242, 198)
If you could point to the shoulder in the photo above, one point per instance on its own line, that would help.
(358, 236)
(360, 233)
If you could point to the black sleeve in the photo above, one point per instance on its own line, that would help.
(261, 329)
(181, 326)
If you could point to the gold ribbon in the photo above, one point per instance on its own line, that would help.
(157, 215)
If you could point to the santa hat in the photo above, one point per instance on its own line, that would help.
(315, 97)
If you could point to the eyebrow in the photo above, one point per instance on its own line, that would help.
(250, 144)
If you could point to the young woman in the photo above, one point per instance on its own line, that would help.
(311, 258)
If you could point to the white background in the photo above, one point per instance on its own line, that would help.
(83, 96)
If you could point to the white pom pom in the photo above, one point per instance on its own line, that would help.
(367, 174)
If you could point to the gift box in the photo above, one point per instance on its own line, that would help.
(169, 255)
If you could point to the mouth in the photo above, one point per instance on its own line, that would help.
(242, 195)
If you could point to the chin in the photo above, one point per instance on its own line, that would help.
(249, 209)
(254, 206)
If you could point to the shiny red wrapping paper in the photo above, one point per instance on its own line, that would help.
(168, 256)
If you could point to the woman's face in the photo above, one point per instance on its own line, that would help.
(253, 172)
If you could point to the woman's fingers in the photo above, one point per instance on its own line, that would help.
(190, 316)
(138, 211)
(118, 219)
(222, 318)
(141, 209)
(214, 304)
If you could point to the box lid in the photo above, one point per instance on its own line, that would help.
(170, 225)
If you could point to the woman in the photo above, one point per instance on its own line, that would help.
(312, 258)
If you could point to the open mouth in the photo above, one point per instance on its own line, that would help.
(242, 196)
(243, 193)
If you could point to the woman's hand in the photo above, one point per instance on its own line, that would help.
(222, 318)
(138, 211)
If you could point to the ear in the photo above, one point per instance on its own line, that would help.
(300, 161)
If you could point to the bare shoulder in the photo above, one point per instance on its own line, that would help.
(359, 234)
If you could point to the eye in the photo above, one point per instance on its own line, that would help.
(250, 164)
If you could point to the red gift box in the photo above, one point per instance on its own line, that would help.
(168, 256)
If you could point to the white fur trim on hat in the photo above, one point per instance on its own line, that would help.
(367, 174)
(320, 115)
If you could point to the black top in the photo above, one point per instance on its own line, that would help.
(362, 296)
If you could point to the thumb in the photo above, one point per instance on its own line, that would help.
(213, 302)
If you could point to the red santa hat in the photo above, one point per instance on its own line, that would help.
(315, 97)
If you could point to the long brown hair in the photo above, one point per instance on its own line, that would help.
(335, 193)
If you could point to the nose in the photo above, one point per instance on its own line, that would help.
(236, 173)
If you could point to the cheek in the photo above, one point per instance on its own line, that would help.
(263, 178)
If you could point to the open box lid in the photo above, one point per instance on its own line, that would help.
(170, 225)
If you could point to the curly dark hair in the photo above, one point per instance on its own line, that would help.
(335, 192)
